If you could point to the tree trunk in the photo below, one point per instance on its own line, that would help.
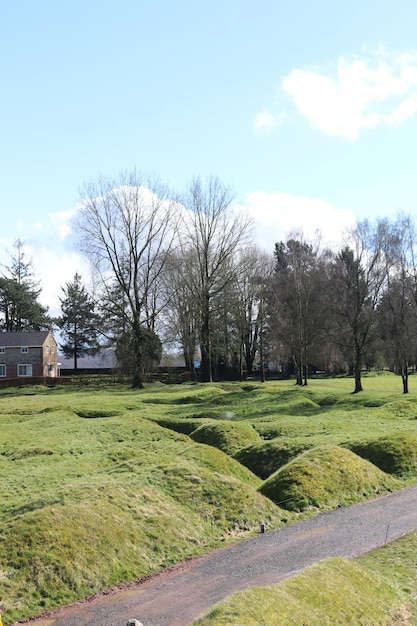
(249, 355)
(241, 349)
(305, 362)
(404, 377)
(305, 368)
(75, 351)
(189, 364)
(358, 372)
(298, 372)
(137, 381)
(206, 374)
(137, 374)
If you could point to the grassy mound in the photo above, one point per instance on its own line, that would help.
(266, 457)
(96, 536)
(216, 461)
(267, 429)
(93, 491)
(89, 503)
(402, 408)
(96, 414)
(300, 406)
(185, 426)
(227, 436)
(333, 592)
(394, 454)
(325, 476)
(59, 553)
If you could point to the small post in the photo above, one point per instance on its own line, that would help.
(263, 527)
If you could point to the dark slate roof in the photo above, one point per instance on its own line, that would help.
(34, 339)
(104, 359)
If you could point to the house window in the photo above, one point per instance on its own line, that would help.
(2, 370)
(2, 350)
(24, 350)
(24, 370)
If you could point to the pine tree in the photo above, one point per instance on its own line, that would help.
(78, 322)
(20, 309)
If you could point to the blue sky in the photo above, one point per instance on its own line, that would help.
(307, 109)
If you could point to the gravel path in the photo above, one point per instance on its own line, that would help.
(177, 596)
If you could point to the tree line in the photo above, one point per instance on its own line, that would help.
(182, 271)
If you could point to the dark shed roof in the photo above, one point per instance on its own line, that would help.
(34, 339)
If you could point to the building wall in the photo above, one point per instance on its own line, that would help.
(50, 357)
(42, 359)
(14, 357)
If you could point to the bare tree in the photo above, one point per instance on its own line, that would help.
(357, 278)
(296, 301)
(249, 305)
(127, 229)
(397, 310)
(213, 234)
(181, 315)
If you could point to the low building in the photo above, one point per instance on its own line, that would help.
(28, 354)
(104, 362)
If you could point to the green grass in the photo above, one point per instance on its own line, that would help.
(325, 477)
(378, 588)
(227, 436)
(99, 486)
(394, 453)
(334, 592)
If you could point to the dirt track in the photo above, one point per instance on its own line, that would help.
(177, 596)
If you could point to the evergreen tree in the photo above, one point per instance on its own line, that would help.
(19, 293)
(144, 343)
(78, 322)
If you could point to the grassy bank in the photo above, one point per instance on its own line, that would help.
(100, 486)
(377, 589)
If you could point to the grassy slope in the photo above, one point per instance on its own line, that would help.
(92, 493)
(334, 592)
(377, 589)
(102, 486)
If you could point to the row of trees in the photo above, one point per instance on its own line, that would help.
(187, 270)
(184, 272)
(162, 267)
(352, 308)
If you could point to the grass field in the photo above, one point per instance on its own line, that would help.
(103, 485)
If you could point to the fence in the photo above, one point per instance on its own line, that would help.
(50, 381)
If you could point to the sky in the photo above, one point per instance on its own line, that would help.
(307, 109)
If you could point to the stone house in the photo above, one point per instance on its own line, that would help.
(27, 354)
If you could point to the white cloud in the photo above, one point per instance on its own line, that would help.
(265, 120)
(359, 94)
(55, 271)
(276, 215)
(61, 222)
(406, 109)
(46, 244)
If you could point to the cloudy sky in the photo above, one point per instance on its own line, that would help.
(308, 110)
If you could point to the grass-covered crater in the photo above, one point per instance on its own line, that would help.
(101, 486)
(325, 477)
